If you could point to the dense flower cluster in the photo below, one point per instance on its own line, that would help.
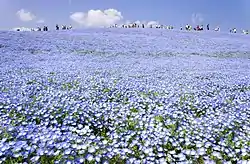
(117, 96)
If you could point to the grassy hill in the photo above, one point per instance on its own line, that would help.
(119, 95)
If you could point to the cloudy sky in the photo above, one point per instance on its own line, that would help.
(97, 13)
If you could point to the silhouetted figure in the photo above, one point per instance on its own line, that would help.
(45, 28)
(197, 28)
(234, 30)
(217, 28)
(201, 28)
(57, 27)
(64, 27)
(208, 27)
(245, 32)
(188, 27)
(143, 25)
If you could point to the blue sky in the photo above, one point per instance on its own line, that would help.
(225, 13)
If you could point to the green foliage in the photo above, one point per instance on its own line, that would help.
(134, 110)
(159, 118)
(168, 146)
(42, 160)
(131, 124)
(200, 160)
(230, 138)
(71, 85)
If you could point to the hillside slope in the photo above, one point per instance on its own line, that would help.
(122, 95)
(141, 40)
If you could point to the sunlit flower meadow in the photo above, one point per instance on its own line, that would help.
(117, 96)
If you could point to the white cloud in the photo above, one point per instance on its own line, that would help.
(138, 22)
(97, 18)
(153, 23)
(128, 22)
(25, 16)
(40, 21)
(197, 18)
(78, 17)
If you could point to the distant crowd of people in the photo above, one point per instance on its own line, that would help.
(135, 25)
(234, 30)
(45, 28)
(187, 27)
(200, 28)
(64, 27)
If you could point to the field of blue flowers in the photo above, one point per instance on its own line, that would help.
(124, 96)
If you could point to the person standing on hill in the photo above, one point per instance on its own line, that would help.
(201, 28)
(45, 28)
(217, 28)
(197, 28)
(234, 30)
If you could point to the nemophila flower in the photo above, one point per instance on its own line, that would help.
(217, 155)
(231, 154)
(89, 157)
(237, 150)
(67, 151)
(201, 151)
(16, 155)
(83, 147)
(105, 162)
(81, 160)
(91, 149)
